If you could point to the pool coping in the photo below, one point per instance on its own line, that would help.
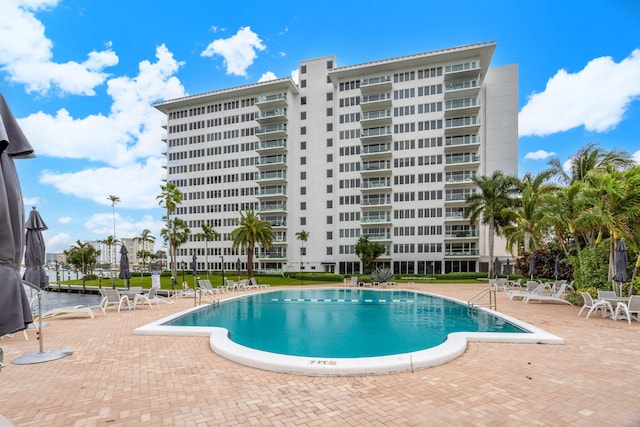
(453, 347)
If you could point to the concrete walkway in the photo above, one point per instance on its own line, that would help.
(115, 378)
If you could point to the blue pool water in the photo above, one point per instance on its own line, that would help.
(342, 323)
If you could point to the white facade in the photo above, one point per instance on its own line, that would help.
(383, 149)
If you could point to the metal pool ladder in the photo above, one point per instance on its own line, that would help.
(480, 299)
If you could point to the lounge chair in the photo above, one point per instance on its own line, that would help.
(146, 298)
(353, 281)
(538, 290)
(61, 311)
(113, 297)
(253, 284)
(556, 296)
(207, 288)
(628, 310)
(600, 304)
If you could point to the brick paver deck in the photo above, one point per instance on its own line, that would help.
(116, 378)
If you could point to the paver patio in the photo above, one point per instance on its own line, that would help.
(116, 378)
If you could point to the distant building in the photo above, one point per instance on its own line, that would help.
(385, 149)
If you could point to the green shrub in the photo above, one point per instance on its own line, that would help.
(381, 274)
(591, 267)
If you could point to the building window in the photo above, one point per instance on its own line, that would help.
(303, 145)
(329, 65)
(303, 190)
(329, 219)
(303, 100)
(303, 83)
(303, 69)
(303, 251)
(329, 173)
(303, 206)
(303, 115)
(329, 235)
(329, 112)
(329, 96)
(329, 250)
(303, 175)
(330, 157)
(329, 142)
(303, 220)
(329, 189)
(303, 130)
(303, 160)
(329, 127)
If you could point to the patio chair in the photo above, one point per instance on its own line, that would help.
(353, 281)
(606, 294)
(113, 297)
(253, 284)
(600, 304)
(146, 298)
(628, 310)
(556, 296)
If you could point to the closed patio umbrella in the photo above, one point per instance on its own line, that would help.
(15, 312)
(532, 265)
(125, 273)
(620, 264)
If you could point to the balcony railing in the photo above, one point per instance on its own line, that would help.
(466, 84)
(376, 149)
(462, 234)
(451, 141)
(462, 121)
(470, 252)
(271, 98)
(280, 127)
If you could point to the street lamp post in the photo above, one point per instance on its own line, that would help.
(222, 258)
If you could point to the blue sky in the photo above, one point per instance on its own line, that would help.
(82, 76)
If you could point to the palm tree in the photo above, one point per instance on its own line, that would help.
(497, 193)
(302, 235)
(251, 231)
(143, 239)
(589, 158)
(176, 234)
(169, 198)
(526, 220)
(113, 199)
(208, 234)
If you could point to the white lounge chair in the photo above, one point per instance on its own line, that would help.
(146, 298)
(600, 304)
(556, 296)
(113, 297)
(61, 311)
(628, 310)
(253, 284)
(538, 290)
(353, 281)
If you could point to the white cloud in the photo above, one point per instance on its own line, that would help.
(137, 184)
(596, 97)
(539, 155)
(30, 201)
(101, 225)
(238, 51)
(130, 131)
(65, 220)
(267, 76)
(26, 53)
(636, 157)
(295, 76)
(59, 242)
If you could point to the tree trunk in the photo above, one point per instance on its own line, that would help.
(491, 244)
(249, 262)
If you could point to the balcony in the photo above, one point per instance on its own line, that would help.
(276, 100)
(276, 115)
(275, 176)
(461, 143)
(276, 221)
(277, 131)
(465, 177)
(376, 134)
(272, 191)
(272, 162)
(272, 146)
(373, 184)
(462, 253)
(462, 234)
(376, 151)
(273, 207)
(373, 218)
(272, 255)
(375, 84)
(457, 195)
(379, 237)
(462, 107)
(375, 101)
(468, 69)
(467, 124)
(462, 89)
(370, 201)
(376, 167)
(375, 118)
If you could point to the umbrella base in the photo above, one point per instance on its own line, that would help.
(44, 356)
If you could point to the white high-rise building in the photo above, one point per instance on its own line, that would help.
(384, 149)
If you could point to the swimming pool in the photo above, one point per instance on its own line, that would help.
(344, 330)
